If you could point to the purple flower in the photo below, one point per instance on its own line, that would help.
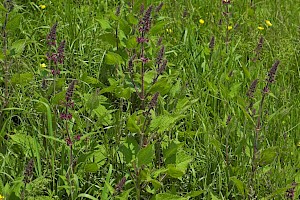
(77, 137)
(144, 60)
(145, 22)
(51, 37)
(142, 40)
(69, 141)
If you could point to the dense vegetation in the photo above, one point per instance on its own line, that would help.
(145, 99)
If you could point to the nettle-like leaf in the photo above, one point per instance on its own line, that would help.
(17, 47)
(178, 169)
(22, 79)
(164, 122)
(104, 115)
(112, 58)
(146, 155)
(267, 156)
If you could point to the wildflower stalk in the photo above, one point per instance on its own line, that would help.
(265, 91)
(6, 65)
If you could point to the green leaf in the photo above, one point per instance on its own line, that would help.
(113, 59)
(145, 156)
(91, 167)
(267, 156)
(109, 38)
(132, 19)
(168, 196)
(59, 98)
(124, 195)
(171, 149)
(3, 8)
(174, 172)
(93, 101)
(158, 27)
(183, 160)
(131, 43)
(14, 22)
(132, 125)
(18, 46)
(195, 193)
(87, 196)
(41, 107)
(234, 90)
(22, 79)
(239, 184)
(104, 24)
(90, 80)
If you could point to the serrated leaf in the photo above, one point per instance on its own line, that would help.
(18, 47)
(14, 22)
(3, 8)
(131, 43)
(145, 156)
(132, 19)
(91, 167)
(113, 59)
(267, 156)
(90, 80)
(174, 172)
(171, 149)
(93, 101)
(22, 79)
(109, 38)
(132, 124)
(59, 98)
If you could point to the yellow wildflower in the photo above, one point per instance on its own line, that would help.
(201, 21)
(42, 7)
(268, 23)
(169, 30)
(229, 28)
(1, 197)
(261, 28)
(43, 65)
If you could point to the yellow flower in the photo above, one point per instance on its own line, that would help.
(1, 197)
(43, 65)
(201, 21)
(268, 23)
(42, 7)
(169, 30)
(229, 27)
(261, 28)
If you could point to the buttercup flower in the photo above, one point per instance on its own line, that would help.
(229, 28)
(1, 197)
(42, 7)
(268, 23)
(261, 28)
(169, 30)
(43, 65)
(201, 21)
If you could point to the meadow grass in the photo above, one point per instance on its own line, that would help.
(150, 100)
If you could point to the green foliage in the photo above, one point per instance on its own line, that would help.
(155, 112)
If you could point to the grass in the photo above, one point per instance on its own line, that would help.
(150, 120)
